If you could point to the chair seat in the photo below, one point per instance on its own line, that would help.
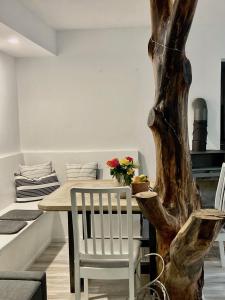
(109, 262)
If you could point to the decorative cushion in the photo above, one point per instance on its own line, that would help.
(21, 276)
(11, 226)
(28, 190)
(86, 171)
(22, 215)
(36, 171)
(20, 290)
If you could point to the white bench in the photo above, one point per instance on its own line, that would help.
(18, 251)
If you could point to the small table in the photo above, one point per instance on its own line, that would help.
(60, 200)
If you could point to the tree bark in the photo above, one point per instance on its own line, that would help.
(183, 235)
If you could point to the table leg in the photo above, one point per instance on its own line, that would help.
(71, 254)
(88, 220)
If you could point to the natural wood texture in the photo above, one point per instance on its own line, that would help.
(187, 253)
(182, 238)
(54, 261)
(60, 200)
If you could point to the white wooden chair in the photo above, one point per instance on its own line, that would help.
(111, 256)
(220, 204)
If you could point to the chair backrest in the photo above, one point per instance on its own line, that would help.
(220, 192)
(102, 202)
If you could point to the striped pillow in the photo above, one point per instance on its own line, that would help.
(28, 189)
(87, 171)
(36, 171)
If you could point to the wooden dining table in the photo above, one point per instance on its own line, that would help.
(60, 200)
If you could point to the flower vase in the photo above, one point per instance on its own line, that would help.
(120, 181)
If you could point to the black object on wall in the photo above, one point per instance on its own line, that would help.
(200, 125)
(222, 103)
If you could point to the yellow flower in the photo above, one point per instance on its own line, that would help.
(130, 172)
(124, 161)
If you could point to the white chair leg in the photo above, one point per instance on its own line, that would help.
(77, 287)
(222, 254)
(77, 280)
(85, 288)
(131, 287)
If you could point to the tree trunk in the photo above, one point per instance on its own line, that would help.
(182, 237)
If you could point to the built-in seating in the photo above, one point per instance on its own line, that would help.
(19, 250)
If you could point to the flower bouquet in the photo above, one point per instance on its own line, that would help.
(122, 169)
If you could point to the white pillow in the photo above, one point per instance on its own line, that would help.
(86, 171)
(36, 171)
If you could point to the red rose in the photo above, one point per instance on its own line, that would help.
(113, 163)
(129, 158)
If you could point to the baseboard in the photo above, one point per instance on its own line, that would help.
(37, 254)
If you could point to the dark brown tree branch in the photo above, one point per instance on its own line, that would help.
(160, 13)
(180, 23)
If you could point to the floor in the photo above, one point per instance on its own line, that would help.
(55, 261)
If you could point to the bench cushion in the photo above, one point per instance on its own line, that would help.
(11, 226)
(23, 275)
(28, 276)
(19, 289)
(21, 215)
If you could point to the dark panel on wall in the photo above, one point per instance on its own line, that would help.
(222, 125)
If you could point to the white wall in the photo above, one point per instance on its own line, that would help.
(9, 125)
(97, 93)
(91, 96)
(206, 49)
(9, 130)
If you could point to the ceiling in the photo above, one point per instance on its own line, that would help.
(42, 18)
(76, 14)
(73, 14)
(16, 45)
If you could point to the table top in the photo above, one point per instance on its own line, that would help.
(60, 200)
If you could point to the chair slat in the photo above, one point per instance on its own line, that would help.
(102, 223)
(75, 226)
(119, 222)
(84, 219)
(130, 231)
(93, 222)
(110, 222)
(109, 242)
(219, 198)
